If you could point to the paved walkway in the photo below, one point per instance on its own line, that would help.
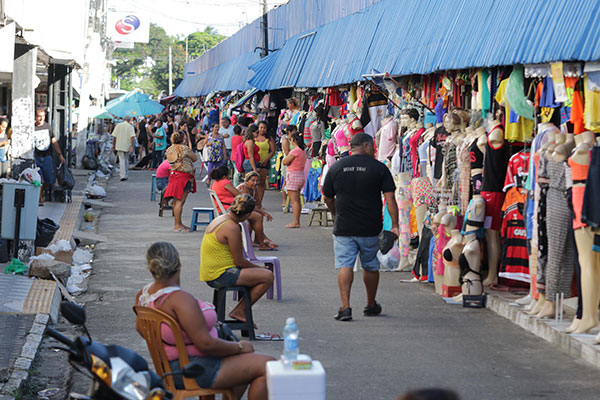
(418, 341)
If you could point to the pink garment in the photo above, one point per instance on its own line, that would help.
(163, 170)
(387, 140)
(341, 139)
(413, 143)
(299, 161)
(210, 316)
(443, 241)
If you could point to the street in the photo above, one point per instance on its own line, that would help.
(419, 341)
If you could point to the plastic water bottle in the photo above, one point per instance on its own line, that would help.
(290, 341)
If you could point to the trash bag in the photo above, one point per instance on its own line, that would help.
(16, 267)
(46, 228)
(64, 177)
(3, 251)
(89, 162)
(386, 241)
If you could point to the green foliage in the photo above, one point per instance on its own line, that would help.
(199, 42)
(146, 66)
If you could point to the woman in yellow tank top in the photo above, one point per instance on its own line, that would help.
(266, 151)
(222, 262)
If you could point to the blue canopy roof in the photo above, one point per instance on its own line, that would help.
(232, 75)
(425, 36)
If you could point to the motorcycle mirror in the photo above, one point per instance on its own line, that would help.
(193, 370)
(74, 313)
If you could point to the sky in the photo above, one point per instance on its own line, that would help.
(182, 17)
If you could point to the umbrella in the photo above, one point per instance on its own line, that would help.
(134, 104)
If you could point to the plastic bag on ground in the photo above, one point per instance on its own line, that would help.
(61, 245)
(83, 269)
(16, 267)
(81, 257)
(73, 282)
(43, 256)
(96, 191)
(391, 259)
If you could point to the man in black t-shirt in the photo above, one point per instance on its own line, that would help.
(352, 191)
(44, 142)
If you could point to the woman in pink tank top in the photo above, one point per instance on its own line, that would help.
(227, 365)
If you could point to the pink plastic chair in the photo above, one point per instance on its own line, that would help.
(271, 262)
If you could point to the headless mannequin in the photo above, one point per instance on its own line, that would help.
(404, 181)
(558, 153)
(451, 255)
(472, 284)
(492, 237)
(481, 136)
(546, 151)
(589, 260)
(437, 220)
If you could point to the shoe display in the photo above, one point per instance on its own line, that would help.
(344, 315)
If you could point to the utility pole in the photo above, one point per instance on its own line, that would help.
(186, 49)
(170, 72)
(265, 29)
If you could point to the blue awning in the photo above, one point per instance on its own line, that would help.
(426, 36)
(232, 75)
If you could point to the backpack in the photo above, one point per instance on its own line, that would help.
(238, 158)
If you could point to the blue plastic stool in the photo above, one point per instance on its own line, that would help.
(196, 211)
(153, 189)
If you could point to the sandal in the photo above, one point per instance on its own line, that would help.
(184, 229)
(267, 337)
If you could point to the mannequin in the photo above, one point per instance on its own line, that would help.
(451, 254)
(436, 222)
(470, 261)
(404, 202)
(584, 239)
(495, 164)
(560, 248)
(476, 156)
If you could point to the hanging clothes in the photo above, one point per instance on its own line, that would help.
(311, 189)
(373, 111)
(514, 131)
(514, 262)
(592, 107)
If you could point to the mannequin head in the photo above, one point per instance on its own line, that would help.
(413, 115)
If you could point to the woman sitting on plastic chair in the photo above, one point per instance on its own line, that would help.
(222, 261)
(227, 365)
(226, 192)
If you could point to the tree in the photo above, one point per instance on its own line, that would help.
(146, 66)
(200, 42)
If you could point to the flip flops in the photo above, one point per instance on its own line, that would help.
(267, 337)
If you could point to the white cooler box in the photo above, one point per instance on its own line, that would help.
(292, 384)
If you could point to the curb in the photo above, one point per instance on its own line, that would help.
(22, 364)
(580, 346)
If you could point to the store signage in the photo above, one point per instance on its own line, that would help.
(127, 26)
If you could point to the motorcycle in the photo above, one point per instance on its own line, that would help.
(116, 372)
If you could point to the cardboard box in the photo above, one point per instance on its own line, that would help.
(63, 256)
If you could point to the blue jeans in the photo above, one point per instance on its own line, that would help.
(46, 169)
(347, 248)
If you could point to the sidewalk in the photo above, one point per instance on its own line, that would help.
(419, 341)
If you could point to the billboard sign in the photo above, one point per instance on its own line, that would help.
(127, 26)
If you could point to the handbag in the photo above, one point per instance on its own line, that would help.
(225, 333)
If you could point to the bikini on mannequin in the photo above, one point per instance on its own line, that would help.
(451, 254)
(450, 277)
(589, 260)
(492, 236)
(558, 153)
(470, 259)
